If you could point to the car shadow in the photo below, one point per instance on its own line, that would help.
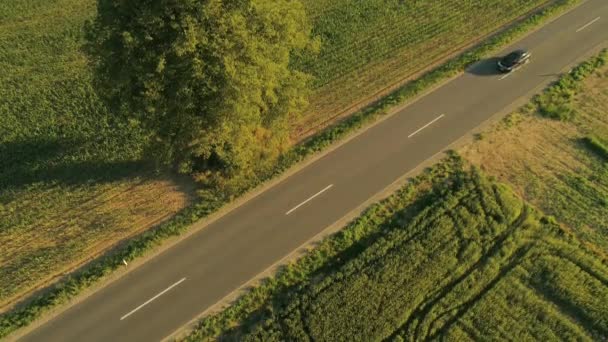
(486, 67)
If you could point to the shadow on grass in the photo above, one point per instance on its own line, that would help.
(486, 67)
(595, 146)
(59, 160)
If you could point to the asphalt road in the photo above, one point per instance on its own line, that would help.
(166, 292)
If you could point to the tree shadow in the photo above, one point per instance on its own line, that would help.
(486, 67)
(32, 161)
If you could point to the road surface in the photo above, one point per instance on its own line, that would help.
(152, 301)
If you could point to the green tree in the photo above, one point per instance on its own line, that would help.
(210, 79)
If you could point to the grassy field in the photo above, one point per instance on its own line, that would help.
(71, 180)
(71, 184)
(467, 260)
(557, 165)
(371, 45)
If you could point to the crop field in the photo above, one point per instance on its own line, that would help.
(467, 261)
(559, 166)
(70, 183)
(71, 180)
(368, 46)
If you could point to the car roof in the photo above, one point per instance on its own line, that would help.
(515, 55)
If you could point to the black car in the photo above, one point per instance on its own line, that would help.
(513, 60)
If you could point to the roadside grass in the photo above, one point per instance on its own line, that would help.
(60, 147)
(369, 46)
(463, 259)
(558, 165)
(71, 184)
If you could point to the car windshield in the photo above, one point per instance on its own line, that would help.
(513, 57)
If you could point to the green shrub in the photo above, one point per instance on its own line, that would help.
(561, 111)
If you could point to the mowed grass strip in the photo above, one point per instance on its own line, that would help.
(368, 46)
(467, 261)
(71, 184)
(553, 163)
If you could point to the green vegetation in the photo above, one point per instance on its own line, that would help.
(209, 80)
(71, 169)
(464, 260)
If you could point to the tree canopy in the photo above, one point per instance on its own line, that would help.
(210, 79)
